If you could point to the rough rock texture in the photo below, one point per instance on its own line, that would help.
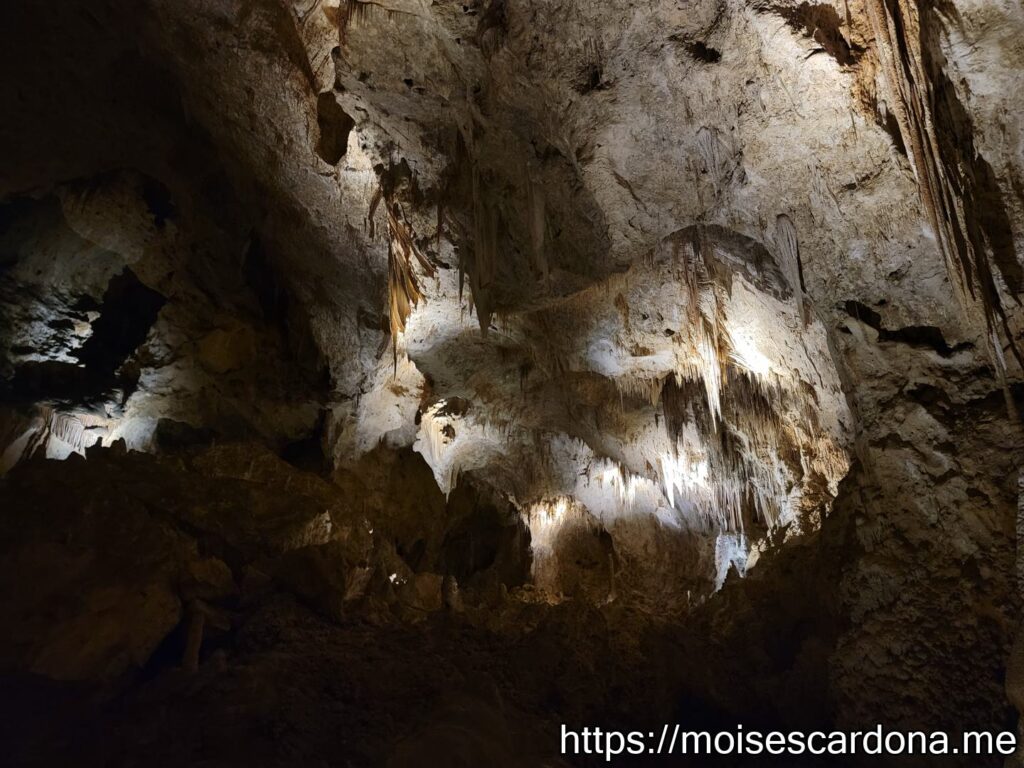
(682, 337)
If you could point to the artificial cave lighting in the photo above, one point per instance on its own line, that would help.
(545, 520)
(708, 366)
(731, 552)
(452, 441)
(681, 474)
(72, 433)
(622, 483)
(392, 381)
(746, 354)
(437, 432)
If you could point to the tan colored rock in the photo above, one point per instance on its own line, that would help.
(208, 579)
(227, 349)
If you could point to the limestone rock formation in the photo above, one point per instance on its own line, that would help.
(381, 379)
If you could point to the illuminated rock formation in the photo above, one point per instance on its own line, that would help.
(361, 357)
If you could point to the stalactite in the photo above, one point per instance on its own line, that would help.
(711, 372)
(623, 483)
(547, 518)
(403, 287)
(449, 441)
(903, 57)
(787, 246)
(537, 225)
(485, 249)
(691, 278)
(483, 245)
(642, 388)
(704, 340)
(440, 223)
(68, 429)
(352, 14)
(437, 435)
(720, 470)
(709, 148)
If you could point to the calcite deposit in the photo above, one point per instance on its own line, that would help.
(388, 381)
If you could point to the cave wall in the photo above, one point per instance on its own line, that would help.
(227, 157)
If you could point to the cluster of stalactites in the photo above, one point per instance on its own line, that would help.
(353, 14)
(727, 464)
(729, 467)
(707, 487)
(718, 492)
(728, 414)
(68, 429)
(403, 285)
(640, 388)
(704, 344)
(946, 187)
(703, 348)
(623, 484)
(448, 440)
(65, 433)
(546, 519)
(436, 436)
